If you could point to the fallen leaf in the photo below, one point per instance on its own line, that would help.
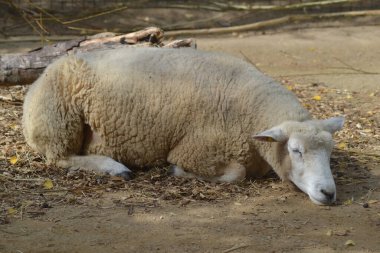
(329, 232)
(13, 160)
(348, 96)
(349, 243)
(317, 98)
(348, 202)
(289, 87)
(343, 232)
(48, 184)
(342, 145)
(14, 126)
(116, 178)
(372, 201)
(11, 211)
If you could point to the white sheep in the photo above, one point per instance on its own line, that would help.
(199, 111)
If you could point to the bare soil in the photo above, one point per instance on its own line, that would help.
(333, 71)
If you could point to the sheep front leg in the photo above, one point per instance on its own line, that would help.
(233, 172)
(201, 155)
(98, 163)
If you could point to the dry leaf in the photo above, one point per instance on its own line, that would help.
(48, 184)
(329, 232)
(349, 243)
(343, 232)
(348, 202)
(11, 211)
(13, 160)
(14, 126)
(317, 98)
(289, 87)
(342, 145)
(372, 201)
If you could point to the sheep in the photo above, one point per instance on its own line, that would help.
(209, 115)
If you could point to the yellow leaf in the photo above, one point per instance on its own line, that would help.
(347, 202)
(14, 126)
(11, 211)
(317, 98)
(349, 243)
(48, 184)
(13, 160)
(342, 145)
(348, 96)
(372, 94)
(289, 87)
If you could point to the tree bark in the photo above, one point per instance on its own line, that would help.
(24, 68)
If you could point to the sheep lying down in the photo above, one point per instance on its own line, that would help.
(209, 115)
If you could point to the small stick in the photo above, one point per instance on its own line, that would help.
(181, 43)
(236, 247)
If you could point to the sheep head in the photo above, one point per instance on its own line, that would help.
(307, 145)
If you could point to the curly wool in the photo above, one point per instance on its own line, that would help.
(148, 107)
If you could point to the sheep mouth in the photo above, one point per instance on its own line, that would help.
(322, 201)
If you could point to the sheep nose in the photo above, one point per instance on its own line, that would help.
(329, 195)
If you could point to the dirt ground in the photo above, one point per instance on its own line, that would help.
(333, 71)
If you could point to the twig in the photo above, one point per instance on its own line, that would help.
(236, 247)
(325, 74)
(248, 59)
(356, 151)
(350, 67)
(231, 6)
(20, 179)
(95, 15)
(130, 38)
(181, 43)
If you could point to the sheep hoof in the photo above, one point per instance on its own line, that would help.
(127, 175)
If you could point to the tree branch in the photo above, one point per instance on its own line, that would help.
(273, 23)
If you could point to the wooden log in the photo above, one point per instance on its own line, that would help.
(24, 68)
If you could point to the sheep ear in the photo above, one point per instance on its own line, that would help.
(274, 134)
(332, 124)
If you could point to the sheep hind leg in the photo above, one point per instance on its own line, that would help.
(98, 163)
(179, 172)
(232, 172)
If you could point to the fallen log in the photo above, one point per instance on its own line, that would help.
(24, 68)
